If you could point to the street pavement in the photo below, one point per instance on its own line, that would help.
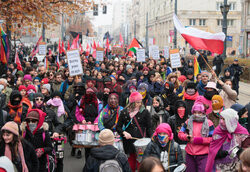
(72, 164)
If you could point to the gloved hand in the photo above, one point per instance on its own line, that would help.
(39, 152)
(221, 154)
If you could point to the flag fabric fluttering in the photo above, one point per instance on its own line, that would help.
(46, 63)
(68, 48)
(63, 48)
(57, 61)
(59, 47)
(134, 45)
(36, 48)
(107, 46)
(87, 50)
(121, 41)
(201, 40)
(17, 61)
(197, 68)
(3, 47)
(94, 49)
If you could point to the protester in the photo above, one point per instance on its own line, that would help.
(164, 147)
(136, 120)
(227, 93)
(190, 95)
(106, 157)
(227, 136)
(217, 105)
(18, 150)
(151, 164)
(236, 71)
(197, 131)
(202, 83)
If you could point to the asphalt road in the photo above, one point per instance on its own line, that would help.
(72, 164)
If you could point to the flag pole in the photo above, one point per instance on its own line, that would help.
(212, 71)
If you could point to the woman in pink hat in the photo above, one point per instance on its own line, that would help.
(137, 124)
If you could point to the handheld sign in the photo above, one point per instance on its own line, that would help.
(175, 58)
(118, 51)
(140, 55)
(74, 63)
(166, 52)
(154, 52)
(99, 55)
(42, 48)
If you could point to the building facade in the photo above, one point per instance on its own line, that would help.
(245, 30)
(204, 15)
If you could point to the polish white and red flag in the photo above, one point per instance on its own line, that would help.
(201, 40)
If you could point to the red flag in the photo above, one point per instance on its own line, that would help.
(121, 42)
(68, 48)
(36, 48)
(199, 39)
(17, 61)
(63, 48)
(94, 49)
(57, 61)
(75, 43)
(59, 47)
(81, 49)
(87, 50)
(107, 46)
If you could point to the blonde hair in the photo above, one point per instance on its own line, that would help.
(158, 76)
(174, 75)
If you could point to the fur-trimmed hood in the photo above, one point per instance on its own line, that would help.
(45, 126)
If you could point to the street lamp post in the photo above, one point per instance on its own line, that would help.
(175, 31)
(224, 11)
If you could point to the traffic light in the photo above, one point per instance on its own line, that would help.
(104, 10)
(95, 10)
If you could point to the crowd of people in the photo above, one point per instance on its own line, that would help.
(133, 99)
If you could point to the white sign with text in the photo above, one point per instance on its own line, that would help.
(99, 55)
(42, 49)
(140, 55)
(74, 63)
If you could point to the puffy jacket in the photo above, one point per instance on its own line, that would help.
(101, 154)
(155, 149)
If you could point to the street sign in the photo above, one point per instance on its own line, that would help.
(229, 38)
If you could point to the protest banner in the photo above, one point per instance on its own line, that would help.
(42, 48)
(118, 51)
(140, 55)
(74, 62)
(166, 52)
(175, 58)
(154, 52)
(99, 55)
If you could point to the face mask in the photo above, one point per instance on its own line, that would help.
(217, 106)
(32, 127)
(57, 100)
(190, 91)
(143, 94)
(157, 109)
(199, 118)
(162, 139)
(181, 112)
(209, 94)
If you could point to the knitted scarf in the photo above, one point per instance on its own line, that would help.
(16, 112)
(107, 112)
(57, 102)
(190, 97)
(205, 126)
(20, 151)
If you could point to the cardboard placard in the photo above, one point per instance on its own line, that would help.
(42, 48)
(74, 63)
(99, 49)
(118, 51)
(154, 52)
(166, 52)
(140, 55)
(175, 58)
(99, 55)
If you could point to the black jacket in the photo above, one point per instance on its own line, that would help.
(29, 155)
(37, 141)
(144, 120)
(101, 154)
(154, 149)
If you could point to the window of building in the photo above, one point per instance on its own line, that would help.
(248, 8)
(192, 22)
(230, 22)
(218, 4)
(232, 6)
(219, 22)
(202, 22)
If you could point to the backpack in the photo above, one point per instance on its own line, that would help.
(111, 165)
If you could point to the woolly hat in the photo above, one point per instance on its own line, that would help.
(22, 87)
(128, 67)
(47, 86)
(164, 128)
(198, 107)
(145, 68)
(205, 73)
(231, 119)
(38, 78)
(20, 73)
(38, 95)
(56, 93)
(135, 96)
(219, 105)
(106, 137)
(142, 87)
(31, 87)
(27, 77)
(33, 115)
(45, 81)
(191, 84)
(237, 107)
(12, 127)
(182, 78)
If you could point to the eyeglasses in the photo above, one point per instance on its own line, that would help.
(31, 120)
(37, 99)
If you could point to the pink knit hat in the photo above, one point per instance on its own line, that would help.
(12, 127)
(135, 96)
(198, 107)
(164, 128)
(22, 87)
(27, 77)
(31, 87)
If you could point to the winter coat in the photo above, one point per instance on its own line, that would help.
(198, 148)
(7, 91)
(155, 149)
(38, 142)
(189, 101)
(23, 115)
(236, 71)
(56, 86)
(143, 118)
(103, 153)
(69, 91)
(228, 95)
(214, 118)
(162, 115)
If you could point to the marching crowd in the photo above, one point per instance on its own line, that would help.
(134, 99)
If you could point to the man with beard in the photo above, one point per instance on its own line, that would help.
(206, 100)
(58, 82)
(236, 70)
(109, 115)
(169, 97)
